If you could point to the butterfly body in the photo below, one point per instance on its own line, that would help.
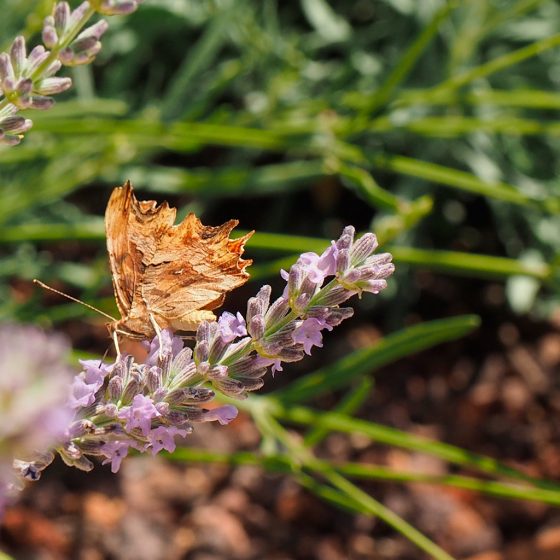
(167, 274)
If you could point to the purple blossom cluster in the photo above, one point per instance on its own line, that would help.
(34, 381)
(145, 406)
(27, 81)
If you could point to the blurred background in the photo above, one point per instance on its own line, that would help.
(434, 124)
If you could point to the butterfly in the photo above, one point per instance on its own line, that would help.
(167, 275)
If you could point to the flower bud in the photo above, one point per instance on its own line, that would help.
(115, 387)
(61, 17)
(6, 70)
(15, 125)
(36, 57)
(96, 30)
(77, 17)
(295, 278)
(342, 261)
(180, 419)
(257, 327)
(115, 7)
(18, 55)
(230, 387)
(277, 311)
(132, 388)
(363, 248)
(346, 239)
(52, 86)
(49, 34)
(217, 372)
(153, 379)
(201, 351)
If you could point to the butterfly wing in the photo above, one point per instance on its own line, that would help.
(132, 229)
(191, 271)
(121, 261)
(176, 274)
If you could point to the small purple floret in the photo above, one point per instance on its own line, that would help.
(309, 333)
(163, 437)
(115, 451)
(232, 326)
(223, 414)
(139, 414)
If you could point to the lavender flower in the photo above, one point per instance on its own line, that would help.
(146, 406)
(28, 81)
(34, 382)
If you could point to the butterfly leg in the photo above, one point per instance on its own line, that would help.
(116, 342)
(157, 328)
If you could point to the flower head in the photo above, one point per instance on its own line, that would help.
(34, 381)
(29, 81)
(146, 406)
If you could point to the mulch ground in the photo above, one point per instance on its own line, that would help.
(495, 392)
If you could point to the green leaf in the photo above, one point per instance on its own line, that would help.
(390, 436)
(497, 64)
(367, 360)
(452, 178)
(469, 264)
(197, 59)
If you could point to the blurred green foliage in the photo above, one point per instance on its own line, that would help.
(436, 124)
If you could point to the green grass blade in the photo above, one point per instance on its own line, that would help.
(522, 98)
(89, 229)
(350, 495)
(364, 183)
(468, 264)
(498, 64)
(397, 438)
(367, 360)
(348, 406)
(280, 464)
(450, 177)
(456, 126)
(197, 59)
(226, 181)
(409, 58)
(302, 458)
(493, 488)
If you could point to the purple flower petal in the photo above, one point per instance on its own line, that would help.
(115, 451)
(163, 437)
(82, 394)
(223, 414)
(231, 326)
(309, 333)
(139, 414)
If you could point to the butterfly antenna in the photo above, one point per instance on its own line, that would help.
(43, 285)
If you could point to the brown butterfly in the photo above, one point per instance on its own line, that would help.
(166, 275)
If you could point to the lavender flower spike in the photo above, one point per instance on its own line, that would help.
(146, 406)
(28, 81)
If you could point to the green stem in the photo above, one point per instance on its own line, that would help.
(497, 64)
(410, 57)
(350, 494)
(279, 463)
(389, 436)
